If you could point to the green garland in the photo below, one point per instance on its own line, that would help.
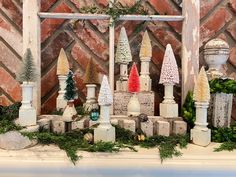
(223, 86)
(116, 10)
(226, 136)
(7, 116)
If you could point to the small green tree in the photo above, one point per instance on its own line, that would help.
(28, 69)
(70, 87)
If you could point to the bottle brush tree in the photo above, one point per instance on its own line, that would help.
(70, 87)
(91, 74)
(28, 69)
(133, 82)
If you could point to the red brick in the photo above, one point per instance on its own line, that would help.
(9, 59)
(234, 109)
(206, 6)
(79, 82)
(101, 25)
(232, 58)
(46, 4)
(49, 26)
(84, 3)
(4, 101)
(233, 5)
(4, 25)
(51, 52)
(82, 57)
(127, 2)
(164, 7)
(166, 37)
(232, 29)
(93, 41)
(157, 56)
(10, 85)
(11, 35)
(12, 11)
(50, 104)
(49, 81)
(103, 3)
(214, 23)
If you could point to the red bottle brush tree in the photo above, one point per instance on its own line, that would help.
(133, 82)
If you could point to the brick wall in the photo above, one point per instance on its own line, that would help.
(90, 40)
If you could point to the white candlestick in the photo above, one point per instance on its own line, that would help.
(168, 98)
(91, 98)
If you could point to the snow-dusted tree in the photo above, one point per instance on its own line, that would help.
(200, 134)
(105, 131)
(62, 64)
(169, 77)
(105, 96)
(169, 69)
(146, 47)
(202, 90)
(123, 54)
(28, 69)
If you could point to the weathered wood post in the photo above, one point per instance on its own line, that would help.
(31, 40)
(111, 55)
(190, 45)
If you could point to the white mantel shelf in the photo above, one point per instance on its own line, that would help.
(193, 156)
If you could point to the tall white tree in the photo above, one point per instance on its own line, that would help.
(123, 52)
(105, 96)
(202, 90)
(169, 70)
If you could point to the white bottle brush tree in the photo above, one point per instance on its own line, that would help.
(70, 96)
(27, 75)
(28, 69)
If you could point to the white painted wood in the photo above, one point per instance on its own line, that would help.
(111, 56)
(31, 39)
(107, 17)
(190, 45)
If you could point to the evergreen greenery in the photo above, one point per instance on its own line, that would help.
(91, 74)
(189, 110)
(7, 115)
(226, 136)
(70, 87)
(116, 10)
(28, 69)
(223, 86)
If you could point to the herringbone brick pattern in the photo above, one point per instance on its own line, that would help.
(89, 39)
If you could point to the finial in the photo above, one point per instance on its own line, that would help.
(62, 64)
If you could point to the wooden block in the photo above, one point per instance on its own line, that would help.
(162, 128)
(129, 125)
(179, 127)
(147, 128)
(122, 86)
(58, 126)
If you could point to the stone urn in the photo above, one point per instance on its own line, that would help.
(216, 53)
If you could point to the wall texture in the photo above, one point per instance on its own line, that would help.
(90, 40)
